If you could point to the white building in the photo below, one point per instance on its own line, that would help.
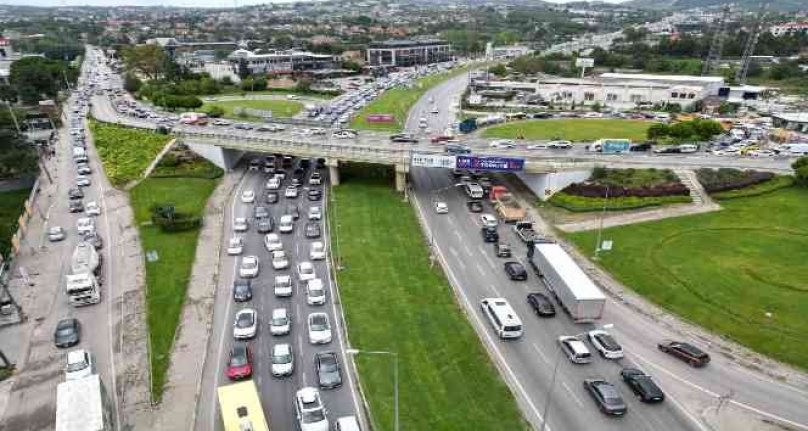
(280, 61)
(404, 53)
(510, 51)
(789, 28)
(795, 121)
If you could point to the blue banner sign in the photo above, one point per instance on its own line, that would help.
(490, 163)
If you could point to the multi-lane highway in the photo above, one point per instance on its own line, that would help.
(277, 393)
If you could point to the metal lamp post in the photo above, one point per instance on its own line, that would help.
(549, 401)
(395, 376)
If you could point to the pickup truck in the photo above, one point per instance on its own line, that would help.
(524, 230)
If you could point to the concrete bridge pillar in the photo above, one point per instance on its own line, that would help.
(401, 176)
(333, 171)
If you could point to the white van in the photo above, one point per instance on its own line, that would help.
(502, 317)
(688, 148)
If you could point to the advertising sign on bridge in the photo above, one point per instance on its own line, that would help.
(505, 164)
(380, 118)
(433, 161)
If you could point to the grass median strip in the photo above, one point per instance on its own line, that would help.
(739, 272)
(125, 152)
(572, 129)
(279, 108)
(395, 301)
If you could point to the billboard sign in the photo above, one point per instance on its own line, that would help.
(584, 62)
(380, 118)
(503, 164)
(433, 161)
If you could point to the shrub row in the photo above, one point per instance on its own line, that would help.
(776, 183)
(719, 180)
(584, 204)
(589, 190)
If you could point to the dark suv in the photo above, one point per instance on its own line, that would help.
(490, 234)
(689, 353)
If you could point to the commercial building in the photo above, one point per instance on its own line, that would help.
(402, 53)
(280, 61)
(793, 121)
(789, 28)
(510, 51)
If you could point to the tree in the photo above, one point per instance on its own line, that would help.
(149, 60)
(499, 70)
(37, 77)
(17, 157)
(303, 85)
(800, 167)
(226, 80)
(131, 83)
(658, 130)
(8, 93)
(214, 111)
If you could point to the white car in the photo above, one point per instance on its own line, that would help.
(488, 220)
(249, 267)
(291, 192)
(283, 360)
(315, 213)
(310, 411)
(273, 183)
(279, 259)
(559, 144)
(305, 271)
(272, 242)
(280, 324)
(317, 251)
(319, 328)
(283, 285)
(56, 233)
(605, 344)
(245, 324)
(434, 109)
(85, 225)
(248, 196)
(287, 224)
(235, 246)
(315, 292)
(83, 180)
(502, 143)
(441, 208)
(240, 224)
(347, 423)
(80, 364)
(316, 179)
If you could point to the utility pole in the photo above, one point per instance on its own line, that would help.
(751, 42)
(717, 44)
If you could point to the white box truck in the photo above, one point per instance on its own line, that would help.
(573, 289)
(82, 405)
(82, 285)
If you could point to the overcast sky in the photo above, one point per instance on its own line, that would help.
(202, 3)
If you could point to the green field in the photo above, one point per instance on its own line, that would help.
(125, 153)
(572, 129)
(11, 207)
(279, 108)
(394, 301)
(167, 278)
(398, 101)
(725, 270)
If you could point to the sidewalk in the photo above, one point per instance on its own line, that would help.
(178, 408)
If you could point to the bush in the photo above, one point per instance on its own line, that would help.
(213, 111)
(628, 182)
(169, 220)
(587, 204)
(719, 180)
(776, 183)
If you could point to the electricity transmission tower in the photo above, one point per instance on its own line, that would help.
(751, 42)
(717, 44)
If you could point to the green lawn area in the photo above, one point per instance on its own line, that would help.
(279, 108)
(125, 152)
(394, 301)
(398, 101)
(11, 207)
(725, 270)
(167, 278)
(572, 129)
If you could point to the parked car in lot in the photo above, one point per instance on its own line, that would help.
(541, 304)
(575, 349)
(56, 233)
(606, 397)
(67, 333)
(605, 344)
(515, 271)
(642, 385)
(283, 360)
(242, 290)
(235, 246)
(319, 328)
(689, 353)
(317, 250)
(329, 375)
(245, 324)
(249, 267)
(239, 366)
(281, 323)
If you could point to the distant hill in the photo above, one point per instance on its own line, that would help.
(781, 5)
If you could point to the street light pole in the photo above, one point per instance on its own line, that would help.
(600, 228)
(354, 352)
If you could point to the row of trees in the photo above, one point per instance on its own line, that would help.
(17, 157)
(36, 78)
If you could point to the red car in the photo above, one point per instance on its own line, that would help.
(439, 139)
(240, 364)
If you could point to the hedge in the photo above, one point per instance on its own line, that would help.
(776, 183)
(589, 190)
(723, 179)
(586, 204)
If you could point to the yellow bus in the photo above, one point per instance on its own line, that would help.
(241, 407)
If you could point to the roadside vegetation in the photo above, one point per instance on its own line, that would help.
(622, 189)
(125, 152)
(573, 129)
(394, 300)
(398, 102)
(230, 108)
(11, 207)
(747, 280)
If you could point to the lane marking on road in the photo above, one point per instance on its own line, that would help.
(572, 394)
(541, 354)
(496, 291)
(716, 395)
(481, 329)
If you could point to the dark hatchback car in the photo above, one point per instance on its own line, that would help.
(242, 290)
(293, 211)
(75, 206)
(689, 353)
(329, 375)
(264, 225)
(93, 238)
(516, 271)
(75, 193)
(642, 385)
(606, 396)
(502, 249)
(271, 198)
(312, 230)
(315, 194)
(67, 333)
(490, 234)
(541, 304)
(475, 206)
